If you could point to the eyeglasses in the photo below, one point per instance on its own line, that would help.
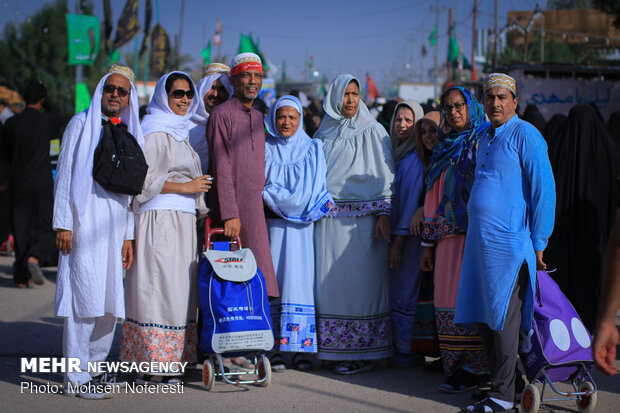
(458, 106)
(179, 93)
(122, 92)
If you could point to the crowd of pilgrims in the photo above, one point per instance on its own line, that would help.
(387, 256)
(366, 217)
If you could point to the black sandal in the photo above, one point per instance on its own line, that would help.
(480, 407)
(277, 363)
(460, 382)
(301, 363)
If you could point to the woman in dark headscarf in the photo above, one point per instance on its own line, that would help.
(533, 116)
(585, 166)
(554, 129)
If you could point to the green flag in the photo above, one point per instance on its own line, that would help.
(114, 57)
(82, 97)
(466, 64)
(432, 39)
(323, 88)
(206, 53)
(256, 46)
(453, 50)
(83, 35)
(245, 44)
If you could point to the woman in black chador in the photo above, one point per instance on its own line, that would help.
(585, 165)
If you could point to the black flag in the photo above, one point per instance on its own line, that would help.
(160, 50)
(128, 25)
(107, 26)
(147, 28)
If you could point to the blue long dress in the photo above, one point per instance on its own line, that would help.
(295, 192)
(511, 214)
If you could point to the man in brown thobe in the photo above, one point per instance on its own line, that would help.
(236, 136)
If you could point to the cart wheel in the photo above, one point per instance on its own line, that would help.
(208, 374)
(587, 403)
(264, 371)
(530, 400)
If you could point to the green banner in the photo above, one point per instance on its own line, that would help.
(82, 97)
(83, 34)
(432, 39)
(206, 53)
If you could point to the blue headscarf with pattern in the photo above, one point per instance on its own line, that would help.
(456, 154)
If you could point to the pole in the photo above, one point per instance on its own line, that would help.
(436, 67)
(146, 75)
(542, 39)
(448, 63)
(495, 35)
(136, 55)
(474, 38)
(78, 68)
(16, 14)
(180, 37)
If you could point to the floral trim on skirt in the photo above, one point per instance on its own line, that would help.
(146, 342)
(354, 338)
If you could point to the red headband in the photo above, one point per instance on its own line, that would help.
(246, 66)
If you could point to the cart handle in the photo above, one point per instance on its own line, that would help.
(213, 231)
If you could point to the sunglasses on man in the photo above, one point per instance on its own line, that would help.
(109, 88)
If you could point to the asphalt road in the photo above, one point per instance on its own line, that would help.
(28, 328)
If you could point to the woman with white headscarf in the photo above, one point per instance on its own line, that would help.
(405, 250)
(160, 292)
(296, 196)
(352, 280)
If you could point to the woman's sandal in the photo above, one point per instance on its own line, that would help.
(277, 363)
(353, 367)
(481, 406)
(243, 363)
(301, 363)
(229, 366)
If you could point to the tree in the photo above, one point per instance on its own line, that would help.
(610, 7)
(37, 50)
(555, 52)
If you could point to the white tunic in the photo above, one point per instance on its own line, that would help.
(90, 277)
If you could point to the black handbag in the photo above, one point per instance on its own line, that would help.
(119, 164)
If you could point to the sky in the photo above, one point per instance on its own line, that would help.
(344, 36)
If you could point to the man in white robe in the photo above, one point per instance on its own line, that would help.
(94, 229)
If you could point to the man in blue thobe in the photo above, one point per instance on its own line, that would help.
(511, 213)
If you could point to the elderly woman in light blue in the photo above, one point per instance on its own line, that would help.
(296, 196)
(351, 242)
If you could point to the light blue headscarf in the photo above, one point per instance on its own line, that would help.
(334, 123)
(295, 170)
(358, 153)
(160, 118)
